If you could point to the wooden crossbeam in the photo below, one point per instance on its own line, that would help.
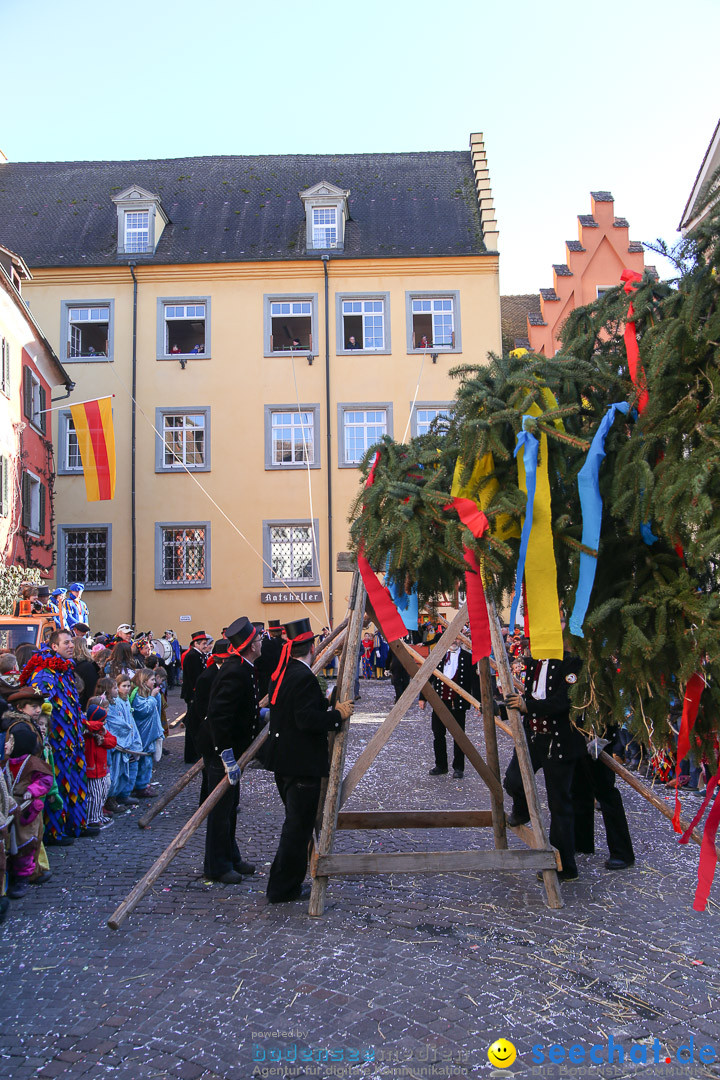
(414, 819)
(443, 712)
(401, 706)
(419, 862)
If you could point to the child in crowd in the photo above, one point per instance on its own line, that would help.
(98, 741)
(28, 779)
(122, 759)
(8, 806)
(145, 704)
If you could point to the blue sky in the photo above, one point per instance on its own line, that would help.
(571, 97)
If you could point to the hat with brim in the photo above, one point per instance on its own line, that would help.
(77, 586)
(299, 631)
(82, 627)
(124, 628)
(24, 695)
(274, 624)
(199, 635)
(43, 592)
(242, 633)
(221, 649)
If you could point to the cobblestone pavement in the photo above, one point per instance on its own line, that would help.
(417, 973)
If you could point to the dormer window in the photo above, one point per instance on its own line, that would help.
(141, 220)
(326, 211)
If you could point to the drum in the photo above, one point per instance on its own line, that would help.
(162, 649)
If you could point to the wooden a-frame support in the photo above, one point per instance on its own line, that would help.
(325, 863)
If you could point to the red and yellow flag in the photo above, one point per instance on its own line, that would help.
(96, 438)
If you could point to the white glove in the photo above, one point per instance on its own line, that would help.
(596, 746)
(264, 714)
(231, 766)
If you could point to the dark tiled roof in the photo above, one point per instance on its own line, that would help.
(549, 294)
(635, 246)
(652, 271)
(621, 223)
(602, 196)
(514, 311)
(536, 320)
(588, 221)
(574, 245)
(562, 269)
(228, 209)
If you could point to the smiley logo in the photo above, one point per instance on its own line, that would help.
(502, 1053)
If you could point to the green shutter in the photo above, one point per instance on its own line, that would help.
(26, 507)
(27, 393)
(41, 529)
(43, 414)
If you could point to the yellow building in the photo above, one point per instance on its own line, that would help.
(271, 317)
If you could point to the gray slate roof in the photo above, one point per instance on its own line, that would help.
(588, 221)
(574, 245)
(237, 209)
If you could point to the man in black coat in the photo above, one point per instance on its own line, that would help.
(231, 723)
(555, 745)
(197, 713)
(300, 719)
(458, 666)
(193, 663)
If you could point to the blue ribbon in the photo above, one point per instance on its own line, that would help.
(592, 506)
(407, 604)
(530, 458)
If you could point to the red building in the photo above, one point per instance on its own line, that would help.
(29, 369)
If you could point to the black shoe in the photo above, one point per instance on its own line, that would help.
(143, 793)
(303, 893)
(90, 830)
(437, 771)
(232, 877)
(458, 774)
(58, 841)
(563, 875)
(17, 889)
(514, 819)
(619, 864)
(127, 800)
(243, 867)
(41, 878)
(4, 905)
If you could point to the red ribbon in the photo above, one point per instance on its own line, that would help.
(637, 371)
(470, 515)
(708, 851)
(691, 704)
(389, 617)
(279, 672)
(477, 608)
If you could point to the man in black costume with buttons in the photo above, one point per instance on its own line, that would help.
(555, 745)
(231, 724)
(300, 719)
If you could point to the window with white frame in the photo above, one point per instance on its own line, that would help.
(5, 367)
(182, 555)
(290, 549)
(137, 230)
(361, 427)
(433, 322)
(291, 325)
(184, 442)
(84, 554)
(292, 438)
(324, 227)
(88, 332)
(184, 329)
(69, 460)
(33, 503)
(363, 324)
(425, 415)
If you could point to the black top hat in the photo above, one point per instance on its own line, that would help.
(220, 649)
(299, 630)
(43, 592)
(274, 624)
(199, 635)
(241, 633)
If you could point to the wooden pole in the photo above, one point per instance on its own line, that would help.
(642, 789)
(167, 797)
(132, 900)
(345, 686)
(491, 751)
(458, 689)
(550, 878)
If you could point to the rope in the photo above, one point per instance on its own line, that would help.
(207, 494)
(309, 480)
(417, 390)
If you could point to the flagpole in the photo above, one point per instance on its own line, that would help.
(68, 404)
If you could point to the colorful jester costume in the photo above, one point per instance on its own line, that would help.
(53, 677)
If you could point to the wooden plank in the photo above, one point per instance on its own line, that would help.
(434, 862)
(331, 801)
(491, 750)
(539, 836)
(458, 689)
(414, 819)
(441, 710)
(346, 562)
(401, 706)
(525, 833)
